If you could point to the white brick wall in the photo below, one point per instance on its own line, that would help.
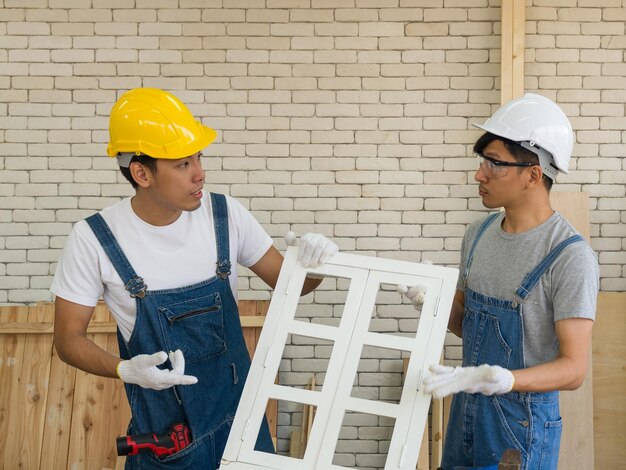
(348, 117)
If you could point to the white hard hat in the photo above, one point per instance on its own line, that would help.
(539, 125)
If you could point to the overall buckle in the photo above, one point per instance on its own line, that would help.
(136, 287)
(223, 269)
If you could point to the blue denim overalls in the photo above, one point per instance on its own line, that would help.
(203, 321)
(482, 427)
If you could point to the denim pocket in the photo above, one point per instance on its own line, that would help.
(479, 347)
(550, 445)
(198, 454)
(195, 326)
(515, 420)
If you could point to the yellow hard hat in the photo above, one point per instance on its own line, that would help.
(155, 123)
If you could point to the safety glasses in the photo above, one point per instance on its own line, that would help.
(497, 168)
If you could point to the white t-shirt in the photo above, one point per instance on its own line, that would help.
(176, 255)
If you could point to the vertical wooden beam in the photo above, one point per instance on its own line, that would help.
(513, 16)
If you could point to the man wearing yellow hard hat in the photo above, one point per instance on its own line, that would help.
(164, 261)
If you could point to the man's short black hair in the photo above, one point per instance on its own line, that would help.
(520, 154)
(149, 162)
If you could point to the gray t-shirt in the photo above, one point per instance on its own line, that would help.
(569, 288)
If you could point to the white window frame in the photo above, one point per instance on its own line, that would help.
(366, 275)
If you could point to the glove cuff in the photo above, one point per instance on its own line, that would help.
(507, 385)
(123, 369)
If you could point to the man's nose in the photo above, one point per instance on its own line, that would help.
(198, 173)
(480, 174)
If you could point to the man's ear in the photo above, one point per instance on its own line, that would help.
(535, 175)
(140, 174)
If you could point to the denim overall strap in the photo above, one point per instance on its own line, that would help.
(220, 218)
(132, 282)
(488, 221)
(533, 277)
(482, 427)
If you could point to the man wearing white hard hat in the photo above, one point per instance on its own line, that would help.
(525, 301)
(165, 263)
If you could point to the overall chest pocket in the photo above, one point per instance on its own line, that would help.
(195, 326)
(484, 340)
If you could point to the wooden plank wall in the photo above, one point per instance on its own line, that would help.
(609, 381)
(53, 416)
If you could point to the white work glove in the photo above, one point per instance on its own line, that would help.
(488, 380)
(143, 371)
(314, 249)
(415, 294)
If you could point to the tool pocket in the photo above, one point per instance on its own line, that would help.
(195, 326)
